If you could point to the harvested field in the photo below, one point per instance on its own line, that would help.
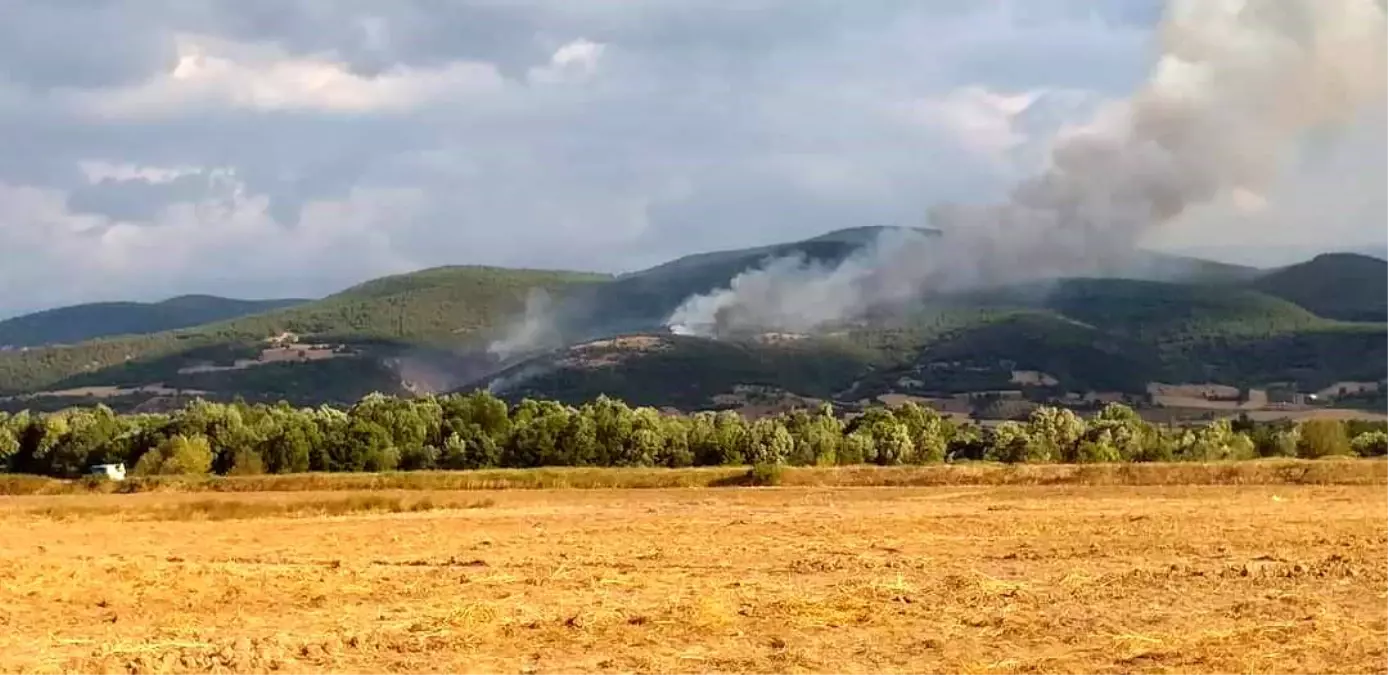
(1327, 471)
(1011, 578)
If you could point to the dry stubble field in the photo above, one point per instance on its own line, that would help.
(1285, 578)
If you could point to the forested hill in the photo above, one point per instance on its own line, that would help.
(76, 323)
(1180, 320)
(1086, 334)
(1345, 286)
(441, 306)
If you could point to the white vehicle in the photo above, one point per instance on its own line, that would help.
(108, 471)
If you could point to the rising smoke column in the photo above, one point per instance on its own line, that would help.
(1236, 84)
(795, 295)
(536, 330)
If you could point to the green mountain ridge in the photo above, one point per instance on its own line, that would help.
(1347, 286)
(77, 323)
(445, 305)
(1090, 334)
(1184, 319)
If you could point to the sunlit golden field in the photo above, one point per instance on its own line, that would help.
(1019, 578)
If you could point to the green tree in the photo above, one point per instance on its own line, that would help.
(894, 445)
(930, 432)
(615, 424)
(1275, 440)
(969, 443)
(1117, 434)
(9, 438)
(364, 445)
(1215, 441)
(578, 442)
(470, 447)
(37, 441)
(489, 413)
(718, 438)
(817, 436)
(537, 428)
(422, 458)
(332, 428)
(1010, 442)
(220, 423)
(1098, 446)
(246, 462)
(858, 447)
(411, 424)
(87, 437)
(647, 443)
(1285, 442)
(177, 455)
(892, 442)
(290, 441)
(1323, 438)
(1054, 435)
(273, 447)
(1370, 444)
(771, 442)
(676, 452)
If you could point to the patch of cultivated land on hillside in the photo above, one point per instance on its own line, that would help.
(1023, 578)
(157, 389)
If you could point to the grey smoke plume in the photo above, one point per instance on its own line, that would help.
(505, 383)
(794, 295)
(1236, 84)
(535, 331)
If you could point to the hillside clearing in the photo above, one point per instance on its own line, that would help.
(959, 579)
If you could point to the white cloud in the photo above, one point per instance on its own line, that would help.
(294, 147)
(581, 53)
(576, 60)
(983, 120)
(191, 247)
(97, 170)
(214, 73)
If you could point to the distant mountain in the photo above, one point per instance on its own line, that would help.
(644, 300)
(445, 306)
(1157, 266)
(1087, 334)
(1276, 255)
(1345, 286)
(1157, 317)
(101, 319)
(1163, 310)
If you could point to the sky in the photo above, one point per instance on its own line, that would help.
(290, 148)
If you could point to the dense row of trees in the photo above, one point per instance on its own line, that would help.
(478, 430)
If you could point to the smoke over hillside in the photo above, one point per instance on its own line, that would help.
(536, 329)
(1234, 87)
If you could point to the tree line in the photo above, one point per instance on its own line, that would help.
(478, 430)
